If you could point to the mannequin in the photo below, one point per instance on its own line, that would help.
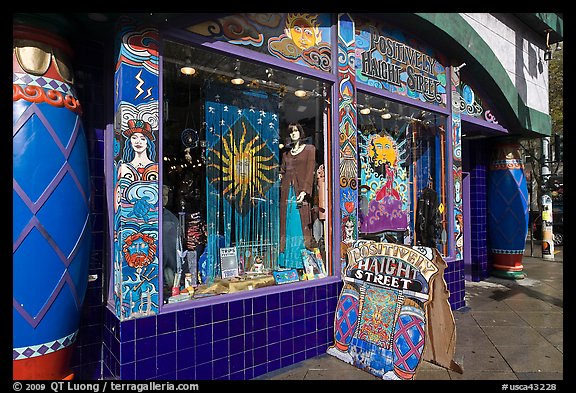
(296, 181)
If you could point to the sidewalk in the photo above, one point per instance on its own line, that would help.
(509, 330)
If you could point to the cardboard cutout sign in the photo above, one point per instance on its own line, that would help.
(393, 311)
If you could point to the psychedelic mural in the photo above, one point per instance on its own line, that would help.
(136, 173)
(472, 105)
(392, 307)
(384, 200)
(457, 164)
(300, 38)
(347, 117)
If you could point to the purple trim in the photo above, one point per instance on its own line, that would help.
(336, 215)
(244, 53)
(484, 124)
(230, 297)
(161, 175)
(108, 141)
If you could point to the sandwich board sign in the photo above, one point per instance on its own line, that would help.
(393, 311)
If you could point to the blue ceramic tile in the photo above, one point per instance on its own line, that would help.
(286, 299)
(166, 363)
(272, 301)
(185, 319)
(220, 312)
(299, 356)
(128, 330)
(220, 368)
(249, 323)
(146, 369)
(248, 307)
(259, 304)
(286, 361)
(259, 321)
(188, 374)
(298, 312)
(286, 331)
(235, 327)
(273, 318)
(321, 292)
(260, 369)
(273, 334)
(236, 363)
(220, 330)
(274, 364)
(185, 358)
(286, 315)
(166, 343)
(249, 341)
(321, 321)
(249, 359)
(203, 334)
(260, 355)
(203, 353)
(203, 315)
(287, 347)
(220, 349)
(299, 328)
(309, 295)
(299, 344)
(298, 296)
(237, 344)
(204, 372)
(145, 327)
(128, 371)
(185, 338)
(127, 352)
(249, 373)
(166, 323)
(236, 309)
(310, 308)
(145, 348)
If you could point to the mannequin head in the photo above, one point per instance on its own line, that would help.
(296, 132)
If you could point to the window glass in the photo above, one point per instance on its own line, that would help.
(402, 193)
(244, 155)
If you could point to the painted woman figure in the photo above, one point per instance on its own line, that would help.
(140, 152)
(296, 181)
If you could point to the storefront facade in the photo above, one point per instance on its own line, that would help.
(235, 158)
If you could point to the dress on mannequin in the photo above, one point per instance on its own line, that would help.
(297, 179)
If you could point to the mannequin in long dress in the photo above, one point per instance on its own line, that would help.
(296, 181)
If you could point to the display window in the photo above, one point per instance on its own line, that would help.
(403, 172)
(244, 161)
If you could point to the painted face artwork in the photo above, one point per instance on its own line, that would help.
(303, 29)
(139, 142)
(383, 150)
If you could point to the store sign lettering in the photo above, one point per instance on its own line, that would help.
(388, 59)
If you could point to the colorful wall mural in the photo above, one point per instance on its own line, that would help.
(472, 104)
(347, 131)
(300, 38)
(457, 164)
(136, 182)
(390, 60)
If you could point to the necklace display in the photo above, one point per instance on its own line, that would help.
(297, 149)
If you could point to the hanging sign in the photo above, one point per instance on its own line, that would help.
(393, 297)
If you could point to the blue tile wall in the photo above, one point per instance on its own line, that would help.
(478, 159)
(230, 341)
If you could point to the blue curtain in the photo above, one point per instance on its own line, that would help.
(242, 167)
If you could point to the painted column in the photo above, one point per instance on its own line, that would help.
(136, 183)
(51, 208)
(457, 163)
(507, 210)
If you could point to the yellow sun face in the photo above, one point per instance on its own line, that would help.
(247, 168)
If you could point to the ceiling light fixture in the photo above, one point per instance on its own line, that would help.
(300, 92)
(237, 80)
(187, 68)
(365, 110)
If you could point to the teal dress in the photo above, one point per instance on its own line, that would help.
(292, 256)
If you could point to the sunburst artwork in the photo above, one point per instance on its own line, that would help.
(241, 165)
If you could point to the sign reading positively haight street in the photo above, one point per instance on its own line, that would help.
(393, 311)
